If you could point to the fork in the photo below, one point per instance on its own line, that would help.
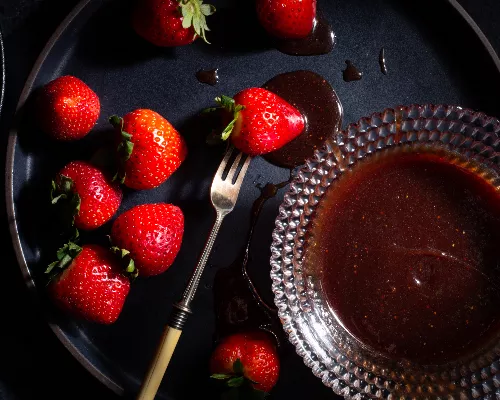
(223, 193)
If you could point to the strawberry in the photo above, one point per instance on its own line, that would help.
(90, 198)
(92, 285)
(67, 108)
(152, 233)
(168, 23)
(287, 19)
(248, 358)
(150, 149)
(260, 121)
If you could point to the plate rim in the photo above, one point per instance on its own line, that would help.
(9, 171)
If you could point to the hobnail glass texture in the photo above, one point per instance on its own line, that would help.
(341, 362)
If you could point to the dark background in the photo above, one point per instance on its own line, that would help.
(33, 364)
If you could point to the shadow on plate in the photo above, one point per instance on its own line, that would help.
(458, 48)
(108, 39)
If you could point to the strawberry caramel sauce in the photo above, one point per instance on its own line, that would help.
(405, 247)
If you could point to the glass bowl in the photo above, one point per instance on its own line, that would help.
(342, 362)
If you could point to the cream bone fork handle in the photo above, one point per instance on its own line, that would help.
(223, 193)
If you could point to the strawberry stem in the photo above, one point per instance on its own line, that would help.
(228, 104)
(65, 255)
(127, 262)
(124, 149)
(194, 14)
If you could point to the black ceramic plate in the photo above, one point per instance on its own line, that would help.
(434, 55)
(2, 71)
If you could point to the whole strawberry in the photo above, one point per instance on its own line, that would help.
(287, 19)
(150, 149)
(246, 359)
(92, 284)
(260, 121)
(170, 23)
(152, 233)
(67, 108)
(89, 197)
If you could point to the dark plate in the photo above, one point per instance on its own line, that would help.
(433, 54)
(2, 72)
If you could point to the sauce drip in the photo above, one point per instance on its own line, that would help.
(320, 106)
(351, 73)
(210, 77)
(238, 305)
(321, 40)
(405, 247)
(381, 61)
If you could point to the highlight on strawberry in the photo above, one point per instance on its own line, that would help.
(287, 19)
(247, 363)
(152, 234)
(169, 23)
(259, 121)
(90, 282)
(66, 108)
(149, 151)
(85, 197)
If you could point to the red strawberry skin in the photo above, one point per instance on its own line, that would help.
(99, 197)
(266, 123)
(160, 22)
(153, 235)
(287, 19)
(257, 353)
(158, 149)
(92, 287)
(67, 108)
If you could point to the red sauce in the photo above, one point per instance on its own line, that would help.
(407, 248)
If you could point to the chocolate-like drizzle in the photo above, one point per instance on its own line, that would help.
(351, 73)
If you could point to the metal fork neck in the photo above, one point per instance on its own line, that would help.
(182, 309)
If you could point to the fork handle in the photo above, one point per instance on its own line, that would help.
(180, 313)
(160, 363)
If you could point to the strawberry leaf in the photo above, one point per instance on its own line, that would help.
(64, 255)
(226, 102)
(194, 14)
(209, 110)
(228, 130)
(128, 264)
(220, 376)
(124, 149)
(207, 9)
(67, 202)
(236, 381)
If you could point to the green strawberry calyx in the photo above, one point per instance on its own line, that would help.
(65, 255)
(194, 14)
(238, 383)
(228, 104)
(124, 149)
(126, 261)
(64, 196)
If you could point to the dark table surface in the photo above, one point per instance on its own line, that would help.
(33, 364)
